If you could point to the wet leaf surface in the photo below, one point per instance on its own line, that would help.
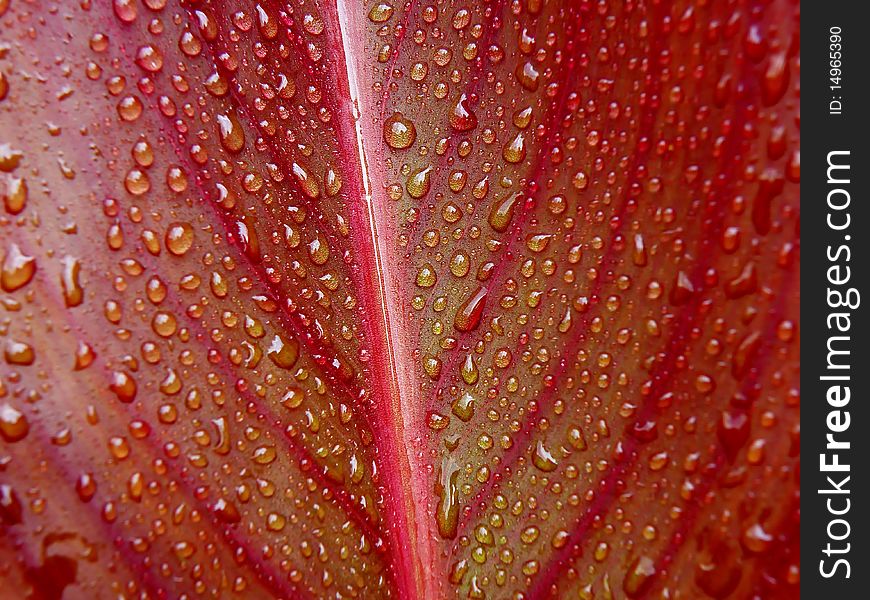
(370, 300)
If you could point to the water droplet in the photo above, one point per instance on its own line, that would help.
(538, 242)
(293, 398)
(515, 150)
(86, 487)
(73, 294)
(528, 76)
(733, 431)
(179, 238)
(283, 352)
(503, 211)
(18, 353)
(381, 12)
(318, 250)
(418, 183)
(164, 324)
(125, 10)
(639, 577)
(469, 313)
(137, 182)
(577, 439)
(13, 423)
(306, 180)
(426, 276)
(463, 407)
(85, 356)
(399, 132)
(543, 459)
(15, 195)
(447, 512)
(462, 118)
(149, 58)
(9, 158)
(682, 290)
(124, 386)
(18, 269)
(226, 512)
(469, 371)
(231, 133)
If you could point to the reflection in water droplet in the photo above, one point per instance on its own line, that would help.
(18, 269)
(231, 133)
(283, 352)
(503, 211)
(447, 512)
(179, 238)
(543, 459)
(468, 315)
(419, 182)
(13, 424)
(73, 294)
(462, 118)
(399, 132)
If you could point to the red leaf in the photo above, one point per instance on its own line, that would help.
(324, 299)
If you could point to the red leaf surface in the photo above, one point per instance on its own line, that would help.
(315, 299)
